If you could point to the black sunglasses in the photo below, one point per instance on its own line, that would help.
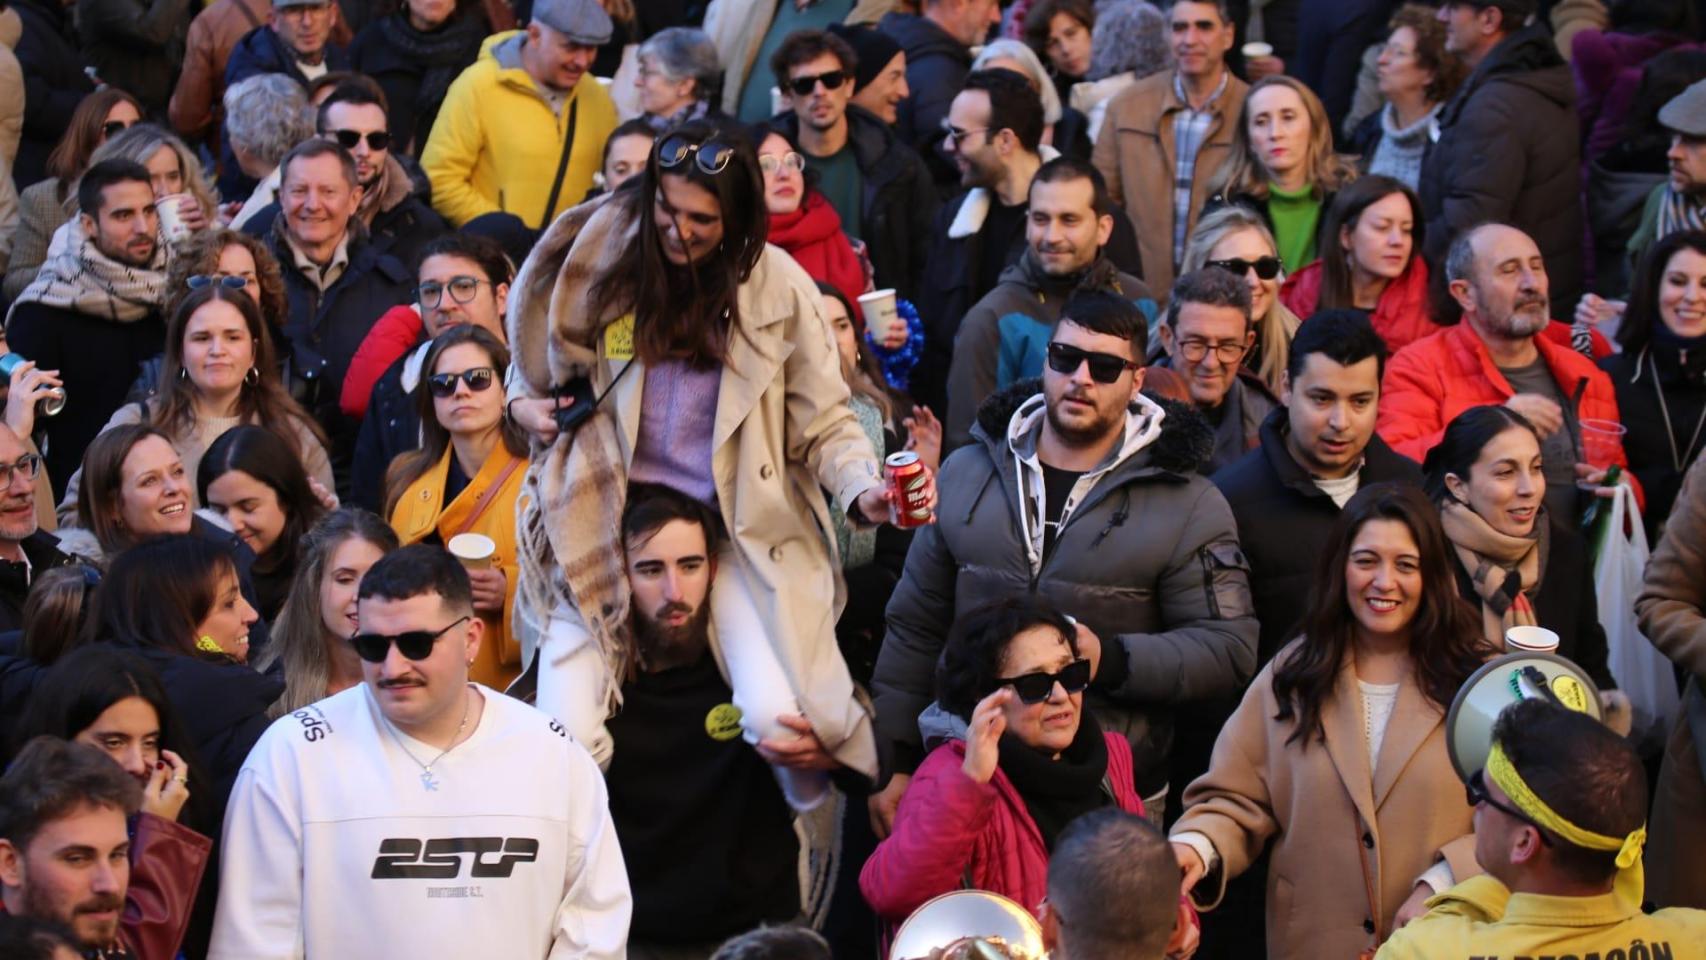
(1476, 790)
(1036, 687)
(415, 645)
(803, 86)
(229, 281)
(1104, 367)
(376, 140)
(1266, 267)
(113, 128)
(478, 379)
(712, 157)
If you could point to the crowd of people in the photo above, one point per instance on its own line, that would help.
(1261, 366)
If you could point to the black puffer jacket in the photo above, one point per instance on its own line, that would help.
(54, 83)
(936, 69)
(1509, 149)
(415, 68)
(1147, 557)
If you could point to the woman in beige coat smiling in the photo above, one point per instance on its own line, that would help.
(1337, 752)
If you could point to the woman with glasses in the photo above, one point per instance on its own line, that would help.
(1238, 240)
(311, 638)
(1336, 760)
(465, 479)
(45, 206)
(1282, 165)
(1372, 262)
(802, 222)
(1015, 758)
(722, 382)
(252, 478)
(219, 372)
(679, 79)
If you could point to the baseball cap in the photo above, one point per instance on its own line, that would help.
(582, 21)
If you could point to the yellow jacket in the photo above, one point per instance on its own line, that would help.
(1481, 918)
(496, 144)
(421, 512)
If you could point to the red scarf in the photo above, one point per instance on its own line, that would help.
(812, 236)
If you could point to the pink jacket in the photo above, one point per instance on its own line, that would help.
(949, 830)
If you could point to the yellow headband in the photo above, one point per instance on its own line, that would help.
(1503, 773)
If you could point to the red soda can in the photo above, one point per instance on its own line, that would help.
(908, 481)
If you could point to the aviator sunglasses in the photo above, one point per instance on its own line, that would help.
(415, 645)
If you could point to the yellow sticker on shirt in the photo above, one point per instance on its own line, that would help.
(723, 722)
(619, 338)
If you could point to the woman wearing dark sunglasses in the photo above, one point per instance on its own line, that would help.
(1236, 239)
(465, 478)
(1018, 757)
(736, 399)
(1371, 261)
(1337, 755)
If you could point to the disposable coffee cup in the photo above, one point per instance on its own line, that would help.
(473, 549)
(1530, 640)
(882, 319)
(1256, 49)
(171, 217)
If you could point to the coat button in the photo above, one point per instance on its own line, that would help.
(766, 472)
(426, 495)
(1367, 925)
(1368, 840)
(776, 554)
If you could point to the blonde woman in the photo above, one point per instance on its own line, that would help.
(1282, 165)
(1237, 239)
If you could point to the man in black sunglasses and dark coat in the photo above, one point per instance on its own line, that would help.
(1088, 492)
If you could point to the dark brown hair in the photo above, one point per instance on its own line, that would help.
(1040, 19)
(1448, 69)
(98, 509)
(71, 155)
(1344, 213)
(53, 778)
(199, 256)
(156, 593)
(1445, 636)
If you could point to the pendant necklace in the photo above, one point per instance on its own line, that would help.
(1678, 458)
(427, 781)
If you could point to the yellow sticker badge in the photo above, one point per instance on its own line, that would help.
(723, 722)
(1570, 693)
(619, 338)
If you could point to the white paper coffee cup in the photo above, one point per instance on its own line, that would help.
(473, 549)
(1256, 49)
(1530, 640)
(882, 319)
(171, 217)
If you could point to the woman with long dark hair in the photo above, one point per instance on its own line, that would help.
(1337, 753)
(1660, 375)
(254, 480)
(738, 401)
(465, 477)
(1371, 261)
(1514, 562)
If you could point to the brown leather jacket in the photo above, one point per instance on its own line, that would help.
(1135, 154)
(195, 109)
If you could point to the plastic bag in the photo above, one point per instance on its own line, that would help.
(1643, 673)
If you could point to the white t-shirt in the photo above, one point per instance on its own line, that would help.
(334, 848)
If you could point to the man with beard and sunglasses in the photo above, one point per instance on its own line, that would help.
(1086, 490)
(417, 814)
(706, 833)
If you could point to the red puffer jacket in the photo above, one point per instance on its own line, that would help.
(396, 333)
(1400, 316)
(950, 830)
(1438, 377)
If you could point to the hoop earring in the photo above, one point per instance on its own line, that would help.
(252, 377)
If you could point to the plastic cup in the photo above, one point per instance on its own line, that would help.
(882, 319)
(473, 549)
(1601, 441)
(1530, 640)
(171, 217)
(1256, 49)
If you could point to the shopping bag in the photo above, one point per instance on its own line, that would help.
(1643, 673)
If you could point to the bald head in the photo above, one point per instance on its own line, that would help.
(1497, 275)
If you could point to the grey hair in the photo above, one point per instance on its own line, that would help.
(1130, 36)
(142, 142)
(686, 53)
(1221, 7)
(1035, 74)
(1210, 287)
(1460, 258)
(267, 114)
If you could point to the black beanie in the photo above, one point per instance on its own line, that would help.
(873, 48)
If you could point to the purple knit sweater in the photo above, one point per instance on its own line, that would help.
(678, 409)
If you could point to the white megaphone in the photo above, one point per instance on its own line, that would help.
(1501, 682)
(969, 915)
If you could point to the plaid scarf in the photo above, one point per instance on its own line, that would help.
(77, 276)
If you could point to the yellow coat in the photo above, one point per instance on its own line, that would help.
(421, 512)
(496, 143)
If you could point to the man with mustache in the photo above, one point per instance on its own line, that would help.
(1498, 355)
(417, 814)
(706, 834)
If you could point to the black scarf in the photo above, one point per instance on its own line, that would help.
(1058, 791)
(442, 54)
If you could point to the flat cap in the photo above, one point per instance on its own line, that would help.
(1686, 112)
(582, 21)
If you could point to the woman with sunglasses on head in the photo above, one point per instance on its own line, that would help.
(1238, 240)
(1372, 261)
(1337, 754)
(311, 638)
(465, 479)
(1015, 757)
(219, 372)
(738, 401)
(253, 479)
(1282, 165)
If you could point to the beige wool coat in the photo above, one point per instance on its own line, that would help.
(1333, 822)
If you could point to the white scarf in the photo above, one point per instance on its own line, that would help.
(78, 276)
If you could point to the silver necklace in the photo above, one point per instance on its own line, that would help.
(427, 780)
(1676, 458)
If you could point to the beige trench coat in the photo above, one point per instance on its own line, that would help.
(1332, 821)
